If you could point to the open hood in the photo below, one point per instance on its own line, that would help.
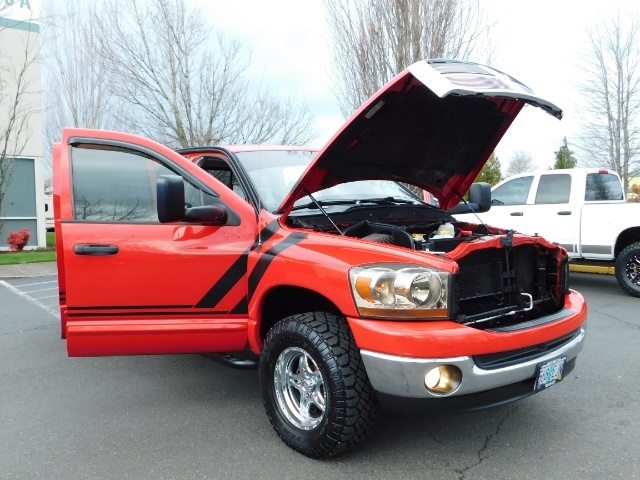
(434, 125)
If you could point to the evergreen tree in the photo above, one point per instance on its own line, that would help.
(564, 157)
(491, 172)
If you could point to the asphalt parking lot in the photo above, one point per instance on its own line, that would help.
(184, 416)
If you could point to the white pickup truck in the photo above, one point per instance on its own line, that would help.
(582, 209)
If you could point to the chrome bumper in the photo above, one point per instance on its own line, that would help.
(404, 377)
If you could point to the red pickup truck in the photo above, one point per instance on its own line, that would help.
(347, 290)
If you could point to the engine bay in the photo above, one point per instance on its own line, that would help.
(423, 229)
(495, 287)
(428, 238)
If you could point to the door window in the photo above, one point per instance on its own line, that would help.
(112, 184)
(554, 189)
(226, 176)
(514, 192)
(603, 186)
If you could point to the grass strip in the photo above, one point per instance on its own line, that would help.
(30, 256)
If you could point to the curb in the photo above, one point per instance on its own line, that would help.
(592, 269)
(27, 270)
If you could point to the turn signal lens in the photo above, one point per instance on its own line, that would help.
(376, 285)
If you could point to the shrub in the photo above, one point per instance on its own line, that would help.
(18, 240)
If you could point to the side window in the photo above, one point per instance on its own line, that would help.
(119, 185)
(554, 189)
(195, 197)
(514, 192)
(603, 186)
(226, 176)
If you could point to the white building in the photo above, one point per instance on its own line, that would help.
(23, 201)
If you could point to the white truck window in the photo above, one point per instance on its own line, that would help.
(514, 192)
(554, 189)
(602, 186)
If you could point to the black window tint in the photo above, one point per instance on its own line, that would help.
(514, 192)
(226, 176)
(603, 186)
(119, 185)
(196, 197)
(554, 189)
(114, 185)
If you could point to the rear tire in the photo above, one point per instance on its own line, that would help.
(628, 269)
(314, 386)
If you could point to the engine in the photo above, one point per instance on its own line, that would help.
(425, 237)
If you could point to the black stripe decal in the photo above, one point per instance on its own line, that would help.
(226, 283)
(241, 307)
(234, 274)
(268, 256)
(267, 232)
(129, 307)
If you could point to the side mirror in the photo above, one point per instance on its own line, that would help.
(171, 204)
(170, 195)
(207, 214)
(479, 199)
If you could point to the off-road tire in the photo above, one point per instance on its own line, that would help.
(349, 400)
(628, 269)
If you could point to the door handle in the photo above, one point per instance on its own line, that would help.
(516, 214)
(93, 249)
(564, 212)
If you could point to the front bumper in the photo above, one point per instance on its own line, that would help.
(395, 377)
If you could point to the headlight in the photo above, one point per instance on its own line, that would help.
(400, 291)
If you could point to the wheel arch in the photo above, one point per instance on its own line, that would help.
(286, 300)
(626, 238)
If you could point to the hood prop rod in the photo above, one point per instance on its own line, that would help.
(484, 225)
(323, 211)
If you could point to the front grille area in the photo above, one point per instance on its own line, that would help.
(479, 280)
(493, 361)
(491, 282)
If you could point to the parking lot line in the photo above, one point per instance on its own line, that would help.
(38, 283)
(27, 297)
(39, 290)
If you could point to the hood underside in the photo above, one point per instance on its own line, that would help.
(433, 126)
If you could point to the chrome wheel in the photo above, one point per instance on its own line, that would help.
(628, 269)
(300, 388)
(633, 269)
(314, 387)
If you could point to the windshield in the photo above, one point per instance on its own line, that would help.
(275, 172)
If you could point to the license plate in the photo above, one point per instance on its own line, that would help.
(549, 373)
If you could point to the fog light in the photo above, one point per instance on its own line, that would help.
(443, 379)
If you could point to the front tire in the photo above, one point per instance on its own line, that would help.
(628, 269)
(314, 386)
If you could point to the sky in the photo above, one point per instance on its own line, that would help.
(539, 43)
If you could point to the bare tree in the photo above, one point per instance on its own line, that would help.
(78, 87)
(521, 162)
(185, 86)
(18, 103)
(611, 135)
(373, 40)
